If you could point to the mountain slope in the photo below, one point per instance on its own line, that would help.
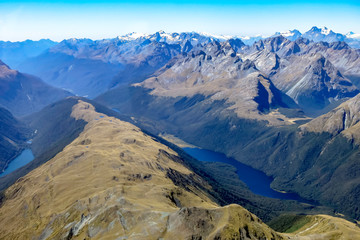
(24, 94)
(309, 74)
(217, 73)
(326, 227)
(315, 86)
(83, 77)
(90, 68)
(115, 181)
(342, 120)
(195, 105)
(13, 136)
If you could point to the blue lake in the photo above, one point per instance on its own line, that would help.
(24, 158)
(257, 181)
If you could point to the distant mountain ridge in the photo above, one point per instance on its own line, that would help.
(323, 34)
(89, 68)
(23, 94)
(315, 34)
(13, 53)
(122, 60)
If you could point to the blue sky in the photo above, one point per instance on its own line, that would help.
(57, 20)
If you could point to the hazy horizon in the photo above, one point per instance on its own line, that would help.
(58, 20)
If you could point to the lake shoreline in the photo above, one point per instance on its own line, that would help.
(19, 161)
(257, 181)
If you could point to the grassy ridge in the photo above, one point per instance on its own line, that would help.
(55, 130)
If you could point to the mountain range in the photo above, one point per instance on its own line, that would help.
(13, 53)
(107, 120)
(105, 64)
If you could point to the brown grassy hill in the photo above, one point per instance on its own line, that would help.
(326, 227)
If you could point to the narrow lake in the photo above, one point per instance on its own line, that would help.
(24, 158)
(257, 181)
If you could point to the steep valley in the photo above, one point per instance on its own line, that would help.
(218, 99)
(13, 137)
(313, 157)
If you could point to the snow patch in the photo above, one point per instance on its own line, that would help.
(353, 35)
(287, 34)
(132, 36)
(325, 31)
(219, 37)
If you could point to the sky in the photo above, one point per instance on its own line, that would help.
(58, 20)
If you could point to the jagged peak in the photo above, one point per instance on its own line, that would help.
(339, 45)
(323, 30)
(288, 33)
(314, 29)
(303, 40)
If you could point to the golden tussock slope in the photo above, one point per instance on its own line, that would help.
(327, 227)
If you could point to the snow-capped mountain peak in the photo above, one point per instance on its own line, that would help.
(325, 31)
(219, 37)
(353, 35)
(132, 36)
(290, 33)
